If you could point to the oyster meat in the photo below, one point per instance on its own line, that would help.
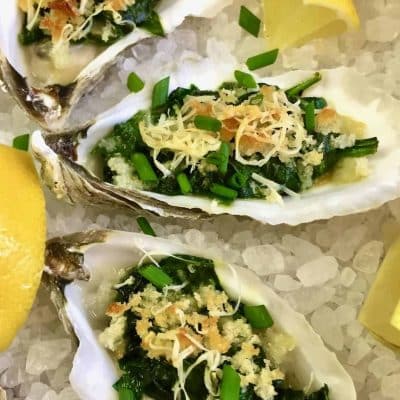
(51, 53)
(107, 256)
(72, 170)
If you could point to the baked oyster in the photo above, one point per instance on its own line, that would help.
(155, 318)
(54, 51)
(279, 151)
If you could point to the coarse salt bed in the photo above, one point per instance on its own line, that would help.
(264, 260)
(317, 272)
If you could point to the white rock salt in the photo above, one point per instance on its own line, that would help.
(325, 323)
(317, 272)
(306, 300)
(303, 250)
(286, 283)
(359, 349)
(382, 29)
(46, 355)
(347, 277)
(345, 314)
(390, 386)
(383, 366)
(38, 391)
(368, 256)
(354, 329)
(348, 241)
(264, 259)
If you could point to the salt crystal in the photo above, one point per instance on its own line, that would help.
(5, 361)
(347, 243)
(303, 250)
(306, 300)
(38, 391)
(347, 276)
(383, 366)
(390, 386)
(317, 272)
(46, 355)
(358, 375)
(375, 396)
(286, 283)
(12, 377)
(382, 29)
(345, 314)
(67, 394)
(359, 349)
(354, 298)
(354, 329)
(368, 257)
(324, 238)
(325, 323)
(264, 259)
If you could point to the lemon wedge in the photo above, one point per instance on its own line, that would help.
(293, 22)
(380, 312)
(22, 240)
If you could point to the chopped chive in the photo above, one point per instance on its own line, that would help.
(143, 168)
(207, 123)
(237, 180)
(184, 183)
(21, 142)
(319, 102)
(223, 191)
(258, 316)
(309, 117)
(134, 83)
(145, 226)
(262, 60)
(249, 22)
(126, 394)
(298, 89)
(361, 148)
(230, 385)
(155, 276)
(220, 158)
(246, 80)
(160, 93)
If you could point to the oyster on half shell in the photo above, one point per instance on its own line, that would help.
(70, 170)
(50, 103)
(85, 267)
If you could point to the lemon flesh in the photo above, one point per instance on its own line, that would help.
(22, 240)
(294, 22)
(381, 310)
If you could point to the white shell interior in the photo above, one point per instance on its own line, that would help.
(94, 371)
(171, 12)
(347, 92)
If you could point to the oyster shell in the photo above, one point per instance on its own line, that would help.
(50, 105)
(105, 255)
(68, 168)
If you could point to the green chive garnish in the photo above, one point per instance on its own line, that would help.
(230, 385)
(134, 83)
(298, 89)
(160, 93)
(223, 191)
(184, 183)
(258, 316)
(220, 158)
(237, 180)
(126, 394)
(155, 276)
(309, 117)
(207, 123)
(246, 80)
(262, 60)
(21, 142)
(143, 168)
(145, 226)
(249, 22)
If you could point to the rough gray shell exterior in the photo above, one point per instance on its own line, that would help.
(75, 184)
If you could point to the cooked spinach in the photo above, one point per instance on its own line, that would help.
(220, 167)
(141, 14)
